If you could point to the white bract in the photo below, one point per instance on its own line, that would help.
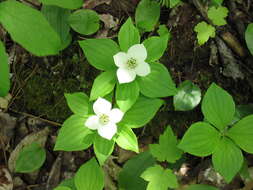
(105, 119)
(131, 63)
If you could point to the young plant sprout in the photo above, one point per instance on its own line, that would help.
(131, 63)
(105, 119)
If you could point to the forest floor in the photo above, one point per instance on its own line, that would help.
(39, 84)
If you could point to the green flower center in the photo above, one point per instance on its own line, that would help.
(131, 63)
(104, 119)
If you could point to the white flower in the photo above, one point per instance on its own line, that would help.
(131, 63)
(105, 119)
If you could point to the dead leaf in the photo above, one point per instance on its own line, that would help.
(6, 182)
(90, 4)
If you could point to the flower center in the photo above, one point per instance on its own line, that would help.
(104, 119)
(131, 63)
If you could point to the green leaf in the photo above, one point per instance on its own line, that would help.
(141, 113)
(217, 2)
(200, 139)
(128, 35)
(5, 72)
(204, 32)
(201, 187)
(244, 171)
(30, 159)
(158, 83)
(57, 17)
(84, 21)
(127, 139)
(159, 178)
(103, 148)
(78, 102)
(218, 15)
(167, 149)
(68, 4)
(249, 37)
(72, 134)
(242, 111)
(173, 3)
(218, 107)
(100, 52)
(227, 159)
(62, 188)
(70, 183)
(90, 176)
(147, 15)
(187, 97)
(126, 95)
(29, 28)
(132, 170)
(103, 84)
(242, 134)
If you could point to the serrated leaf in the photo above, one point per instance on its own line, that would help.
(68, 4)
(227, 159)
(201, 187)
(242, 133)
(58, 17)
(187, 97)
(30, 159)
(132, 170)
(103, 148)
(127, 139)
(147, 15)
(200, 139)
(141, 112)
(249, 37)
(5, 72)
(100, 52)
(158, 83)
(218, 15)
(29, 28)
(167, 149)
(78, 103)
(72, 134)
(128, 35)
(126, 95)
(159, 178)
(95, 178)
(103, 84)
(85, 22)
(204, 32)
(218, 107)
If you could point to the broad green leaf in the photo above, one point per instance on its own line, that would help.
(128, 35)
(158, 83)
(204, 32)
(227, 159)
(103, 84)
(127, 139)
(167, 149)
(84, 21)
(218, 15)
(218, 107)
(242, 134)
(62, 188)
(129, 177)
(100, 52)
(126, 95)
(5, 72)
(68, 4)
(72, 134)
(30, 159)
(103, 148)
(90, 176)
(173, 3)
(249, 37)
(242, 111)
(70, 183)
(78, 103)
(217, 2)
(147, 15)
(141, 112)
(201, 187)
(29, 28)
(159, 178)
(200, 139)
(187, 97)
(58, 17)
